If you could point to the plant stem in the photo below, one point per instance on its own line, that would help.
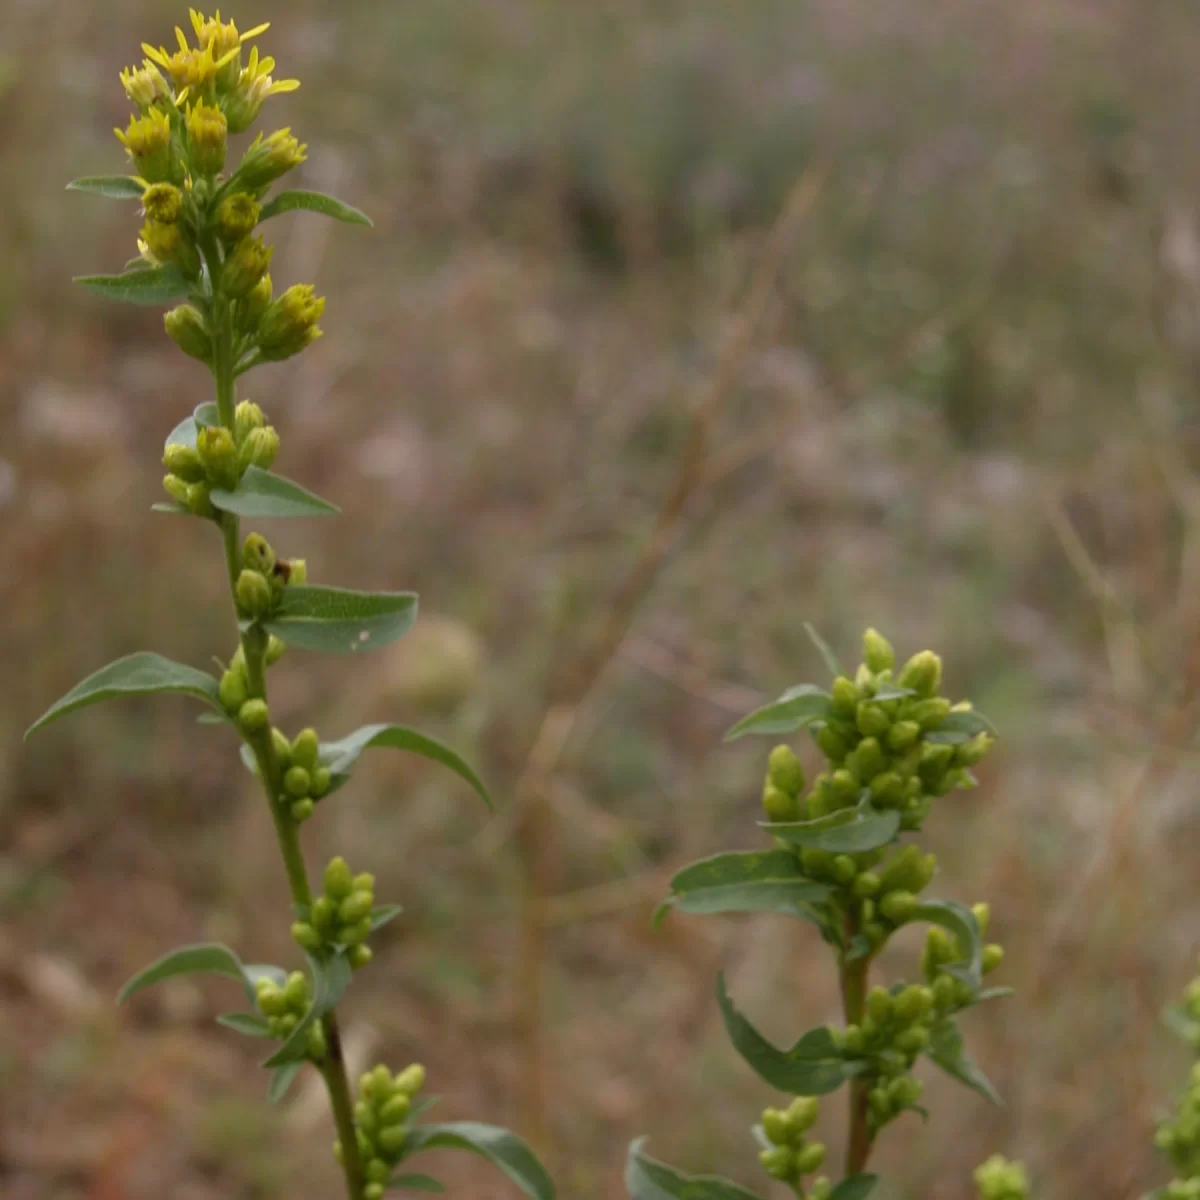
(254, 647)
(854, 976)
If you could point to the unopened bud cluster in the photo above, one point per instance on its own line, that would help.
(220, 457)
(878, 742)
(790, 1155)
(999, 1179)
(263, 577)
(381, 1122)
(285, 1007)
(341, 916)
(942, 949)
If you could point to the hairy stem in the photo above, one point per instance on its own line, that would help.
(254, 648)
(854, 976)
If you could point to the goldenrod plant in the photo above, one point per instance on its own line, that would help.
(200, 250)
(846, 859)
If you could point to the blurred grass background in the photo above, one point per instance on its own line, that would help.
(969, 420)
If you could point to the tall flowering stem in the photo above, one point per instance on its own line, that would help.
(200, 250)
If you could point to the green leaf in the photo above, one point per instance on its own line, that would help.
(186, 431)
(260, 494)
(115, 187)
(330, 981)
(209, 958)
(959, 920)
(825, 651)
(892, 691)
(994, 993)
(341, 755)
(857, 1187)
(318, 202)
(648, 1179)
(814, 1066)
(415, 1183)
(383, 914)
(797, 707)
(256, 971)
(145, 285)
(282, 1079)
(959, 727)
(754, 881)
(339, 621)
(846, 831)
(946, 1051)
(501, 1148)
(141, 674)
(248, 1024)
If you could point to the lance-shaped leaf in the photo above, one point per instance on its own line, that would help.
(340, 621)
(799, 706)
(959, 920)
(115, 187)
(648, 1179)
(501, 1148)
(958, 727)
(832, 665)
(260, 494)
(186, 432)
(415, 1183)
(297, 199)
(142, 674)
(846, 831)
(857, 1187)
(341, 755)
(282, 1079)
(812, 1067)
(143, 285)
(946, 1050)
(754, 881)
(331, 978)
(210, 958)
(384, 914)
(247, 1024)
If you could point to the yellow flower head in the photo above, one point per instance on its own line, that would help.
(148, 143)
(222, 36)
(162, 202)
(207, 128)
(290, 323)
(145, 85)
(267, 159)
(254, 85)
(190, 68)
(161, 243)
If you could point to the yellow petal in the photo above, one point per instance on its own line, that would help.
(250, 33)
(284, 85)
(159, 56)
(183, 42)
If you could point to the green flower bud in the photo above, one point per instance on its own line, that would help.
(411, 1080)
(903, 735)
(321, 779)
(877, 651)
(867, 884)
(845, 869)
(875, 933)
(290, 323)
(207, 133)
(879, 1103)
(250, 311)
(356, 906)
(922, 673)
(339, 882)
(831, 743)
(358, 956)
(844, 697)
(271, 999)
(244, 268)
(854, 1040)
(905, 1091)
(816, 864)
(296, 990)
(297, 572)
(317, 1046)
(306, 936)
(845, 787)
(802, 1115)
(972, 752)
(302, 810)
(374, 1191)
(266, 159)
(809, 1158)
(879, 1004)
(999, 1179)
(148, 143)
(929, 714)
(257, 554)
(908, 871)
(941, 948)
(259, 449)
(324, 910)
(184, 462)
(785, 771)
(282, 748)
(356, 934)
(177, 489)
(164, 243)
(253, 594)
(296, 781)
(944, 992)
(993, 956)
(253, 716)
(913, 1003)
(913, 1040)
(163, 203)
(275, 648)
(247, 416)
(304, 750)
(982, 913)
(237, 216)
(378, 1171)
(898, 907)
(871, 720)
(187, 329)
(233, 690)
(365, 1117)
(777, 1162)
(217, 452)
(396, 1110)
(392, 1139)
(364, 882)
(779, 805)
(821, 1189)
(887, 790)
(198, 501)
(869, 759)
(776, 1126)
